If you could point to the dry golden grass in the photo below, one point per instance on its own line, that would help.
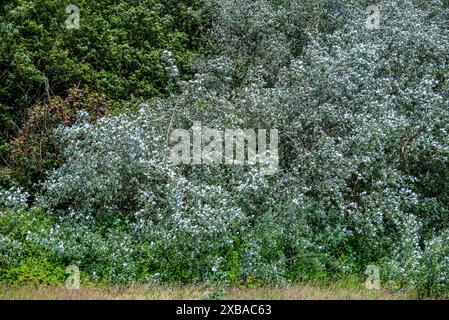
(337, 291)
(312, 292)
(97, 293)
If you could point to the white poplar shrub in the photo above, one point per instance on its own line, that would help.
(362, 118)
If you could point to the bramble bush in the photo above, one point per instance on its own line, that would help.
(363, 142)
(34, 152)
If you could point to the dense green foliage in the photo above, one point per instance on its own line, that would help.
(116, 52)
(362, 116)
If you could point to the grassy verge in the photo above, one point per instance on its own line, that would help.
(338, 291)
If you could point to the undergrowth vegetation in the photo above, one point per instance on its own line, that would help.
(362, 116)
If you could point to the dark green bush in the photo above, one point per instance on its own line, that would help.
(117, 52)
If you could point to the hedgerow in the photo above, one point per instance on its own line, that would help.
(363, 148)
